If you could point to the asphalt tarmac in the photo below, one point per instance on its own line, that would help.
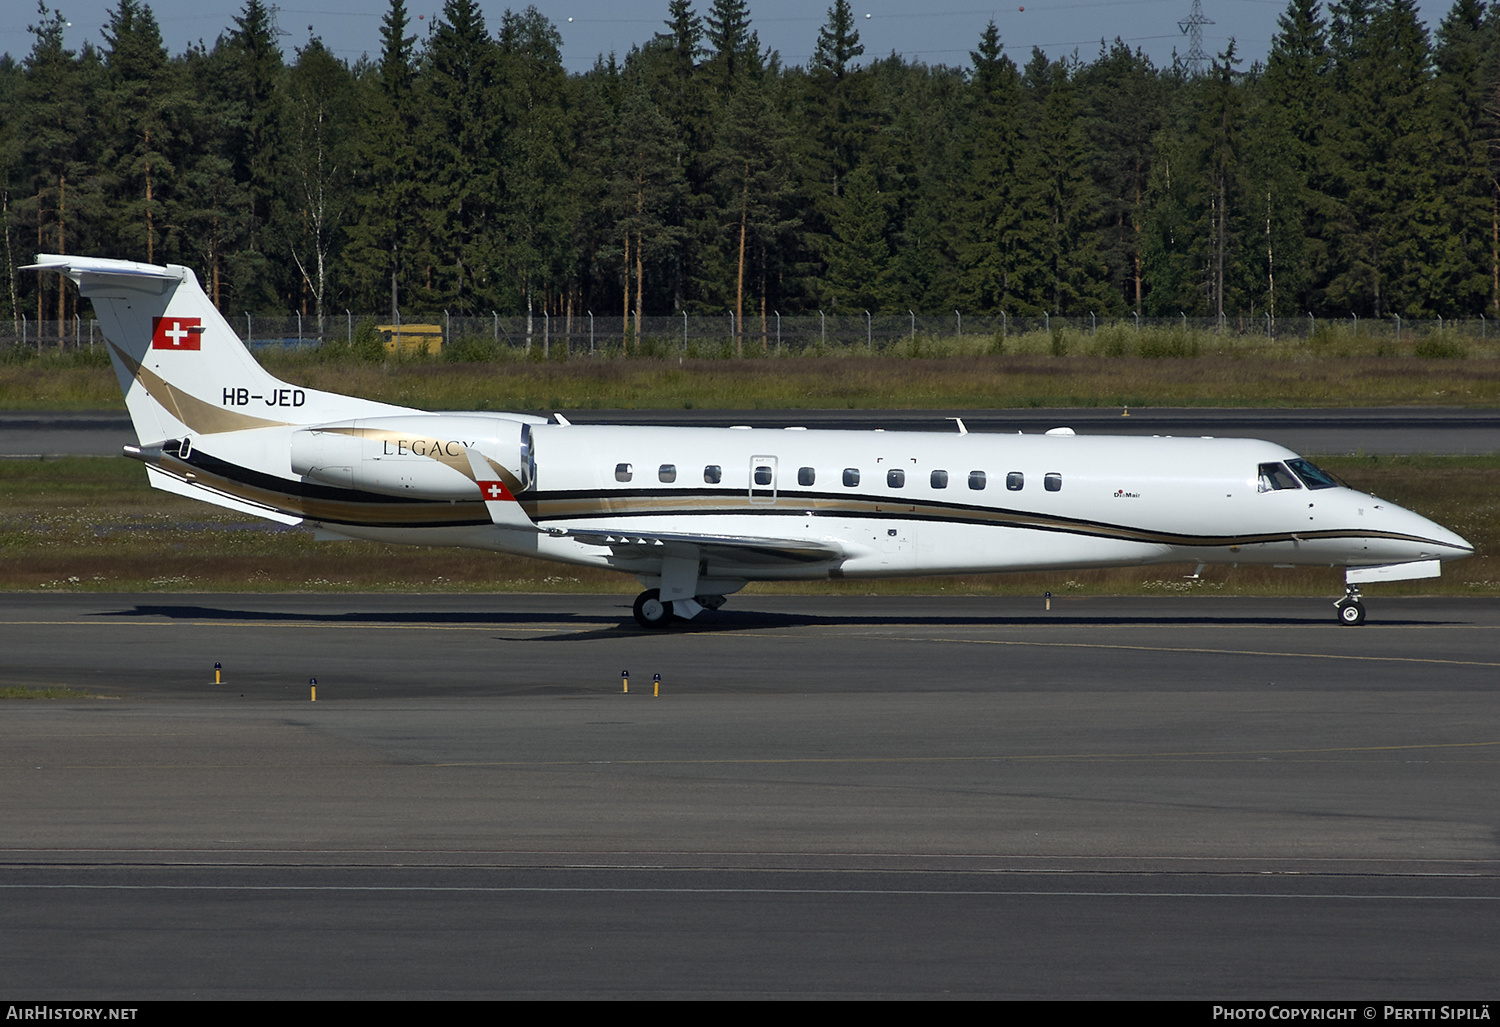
(1383, 431)
(1185, 797)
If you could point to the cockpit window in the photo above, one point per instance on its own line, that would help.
(1275, 477)
(1312, 476)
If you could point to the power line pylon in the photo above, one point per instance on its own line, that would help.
(1192, 27)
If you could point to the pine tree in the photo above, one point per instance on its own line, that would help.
(1289, 117)
(252, 73)
(1386, 216)
(143, 94)
(386, 228)
(322, 122)
(1464, 272)
(992, 222)
(534, 127)
(751, 161)
(55, 97)
(734, 47)
(859, 256)
(462, 180)
(647, 187)
(1122, 95)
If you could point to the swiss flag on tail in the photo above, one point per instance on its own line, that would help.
(176, 333)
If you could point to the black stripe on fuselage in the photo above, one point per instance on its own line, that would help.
(596, 504)
(615, 503)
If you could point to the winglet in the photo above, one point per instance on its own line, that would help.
(505, 510)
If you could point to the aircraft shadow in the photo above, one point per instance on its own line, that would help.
(597, 626)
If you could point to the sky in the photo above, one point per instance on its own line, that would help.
(932, 32)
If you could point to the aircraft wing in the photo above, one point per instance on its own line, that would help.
(738, 549)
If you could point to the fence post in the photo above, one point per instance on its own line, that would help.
(1047, 322)
(869, 343)
(823, 328)
(349, 323)
(959, 333)
(25, 326)
(249, 330)
(1004, 325)
(1356, 321)
(299, 329)
(546, 335)
(1137, 314)
(1398, 326)
(684, 331)
(1093, 324)
(913, 325)
(1184, 319)
(591, 332)
(778, 333)
(447, 330)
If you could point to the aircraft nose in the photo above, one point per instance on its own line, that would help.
(1438, 542)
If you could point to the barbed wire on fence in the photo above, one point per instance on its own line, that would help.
(773, 334)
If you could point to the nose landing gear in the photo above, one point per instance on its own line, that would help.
(1350, 610)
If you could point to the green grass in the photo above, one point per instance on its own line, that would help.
(1116, 366)
(93, 524)
(50, 692)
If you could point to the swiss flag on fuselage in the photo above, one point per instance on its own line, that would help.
(176, 333)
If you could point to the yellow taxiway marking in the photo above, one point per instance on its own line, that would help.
(1210, 652)
(1225, 755)
(1204, 754)
(1162, 649)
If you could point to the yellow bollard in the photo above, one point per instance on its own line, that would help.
(1126, 413)
(312, 683)
(655, 686)
(1049, 600)
(625, 682)
(218, 674)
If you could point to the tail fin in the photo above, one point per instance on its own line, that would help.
(182, 368)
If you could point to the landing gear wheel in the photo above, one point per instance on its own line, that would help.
(650, 611)
(1351, 612)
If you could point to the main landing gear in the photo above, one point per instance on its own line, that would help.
(1350, 610)
(651, 611)
(654, 612)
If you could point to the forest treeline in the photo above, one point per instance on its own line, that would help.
(1355, 171)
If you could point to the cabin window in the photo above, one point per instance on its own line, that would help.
(713, 474)
(977, 481)
(762, 475)
(623, 472)
(851, 477)
(1275, 477)
(1052, 482)
(667, 473)
(939, 479)
(1015, 481)
(806, 476)
(895, 478)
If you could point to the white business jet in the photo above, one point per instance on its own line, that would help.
(697, 513)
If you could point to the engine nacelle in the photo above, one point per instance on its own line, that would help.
(415, 454)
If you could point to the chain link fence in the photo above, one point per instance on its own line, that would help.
(500, 337)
